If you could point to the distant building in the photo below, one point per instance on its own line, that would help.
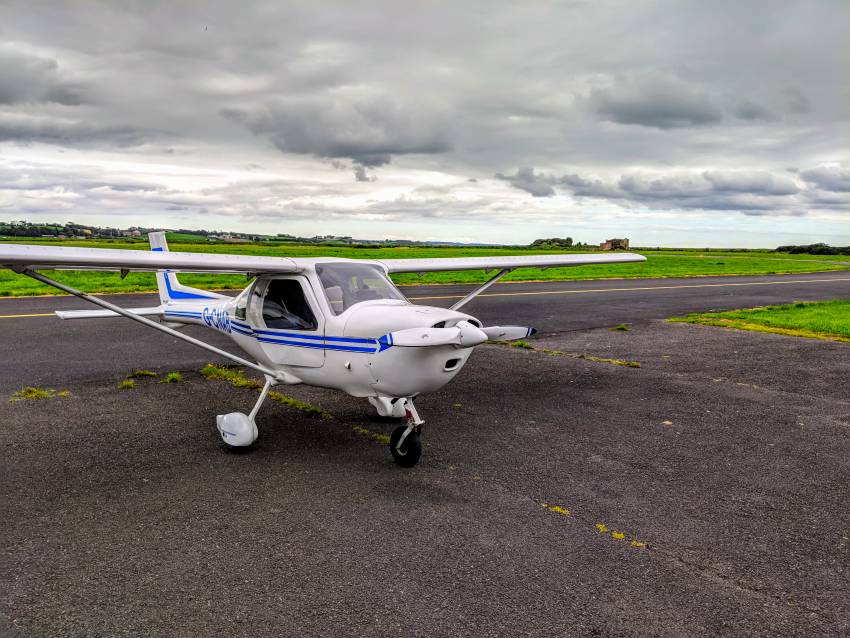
(615, 244)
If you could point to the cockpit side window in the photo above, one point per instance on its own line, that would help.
(346, 284)
(286, 307)
(242, 304)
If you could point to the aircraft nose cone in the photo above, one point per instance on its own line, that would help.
(470, 335)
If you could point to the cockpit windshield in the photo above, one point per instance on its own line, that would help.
(346, 284)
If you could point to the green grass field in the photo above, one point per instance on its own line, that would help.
(660, 263)
(185, 238)
(816, 320)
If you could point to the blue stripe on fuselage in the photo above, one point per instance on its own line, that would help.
(323, 346)
(275, 333)
(293, 339)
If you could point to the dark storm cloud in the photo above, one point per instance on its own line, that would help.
(666, 102)
(752, 111)
(29, 78)
(829, 178)
(655, 100)
(747, 192)
(433, 80)
(759, 182)
(360, 174)
(64, 132)
(525, 179)
(368, 129)
(832, 200)
(542, 185)
(588, 186)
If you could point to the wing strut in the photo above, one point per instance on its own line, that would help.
(143, 320)
(481, 288)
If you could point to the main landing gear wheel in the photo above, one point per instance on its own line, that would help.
(237, 430)
(408, 454)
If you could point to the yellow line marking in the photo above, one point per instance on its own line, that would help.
(565, 292)
(41, 314)
(600, 527)
(640, 288)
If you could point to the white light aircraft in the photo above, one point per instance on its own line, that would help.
(327, 322)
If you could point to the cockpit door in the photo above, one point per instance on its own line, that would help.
(287, 321)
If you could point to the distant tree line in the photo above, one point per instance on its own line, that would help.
(556, 242)
(69, 229)
(815, 249)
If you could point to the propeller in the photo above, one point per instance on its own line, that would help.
(462, 335)
(507, 333)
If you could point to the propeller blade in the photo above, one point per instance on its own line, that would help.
(463, 335)
(507, 333)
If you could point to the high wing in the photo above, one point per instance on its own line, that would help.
(18, 256)
(502, 265)
(506, 263)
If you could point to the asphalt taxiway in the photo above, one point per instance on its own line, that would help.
(706, 492)
(71, 351)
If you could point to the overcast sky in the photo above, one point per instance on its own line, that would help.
(672, 123)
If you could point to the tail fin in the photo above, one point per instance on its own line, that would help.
(166, 281)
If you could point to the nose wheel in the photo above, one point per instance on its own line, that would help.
(406, 440)
(406, 447)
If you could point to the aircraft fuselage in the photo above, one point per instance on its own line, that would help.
(347, 351)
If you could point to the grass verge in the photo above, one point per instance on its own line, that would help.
(377, 437)
(33, 394)
(237, 379)
(141, 374)
(660, 263)
(307, 408)
(827, 320)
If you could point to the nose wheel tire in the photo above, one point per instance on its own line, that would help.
(410, 451)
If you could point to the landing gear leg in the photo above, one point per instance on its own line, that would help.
(389, 407)
(239, 430)
(405, 441)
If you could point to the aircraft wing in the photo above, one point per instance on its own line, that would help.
(18, 256)
(507, 262)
